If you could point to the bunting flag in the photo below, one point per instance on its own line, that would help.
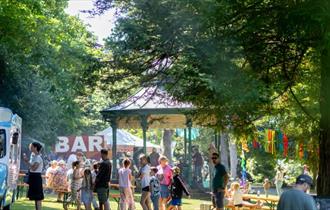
(266, 146)
(245, 146)
(273, 149)
(255, 143)
(243, 165)
(285, 145)
(280, 142)
(301, 151)
(270, 140)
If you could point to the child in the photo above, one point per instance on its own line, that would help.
(75, 182)
(237, 198)
(247, 188)
(177, 189)
(87, 189)
(94, 173)
(144, 175)
(266, 186)
(125, 176)
(154, 188)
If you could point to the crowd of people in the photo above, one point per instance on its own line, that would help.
(89, 181)
(293, 199)
(161, 185)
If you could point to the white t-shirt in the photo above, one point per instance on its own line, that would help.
(72, 158)
(237, 197)
(145, 171)
(36, 159)
(124, 177)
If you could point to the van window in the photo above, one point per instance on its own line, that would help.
(2, 143)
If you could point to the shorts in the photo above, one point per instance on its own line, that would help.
(164, 191)
(176, 202)
(146, 189)
(86, 196)
(218, 199)
(102, 194)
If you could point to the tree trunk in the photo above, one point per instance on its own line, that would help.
(167, 143)
(224, 150)
(233, 159)
(323, 182)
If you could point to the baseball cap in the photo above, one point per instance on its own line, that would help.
(304, 178)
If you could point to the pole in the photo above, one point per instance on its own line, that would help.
(185, 145)
(189, 125)
(113, 122)
(144, 125)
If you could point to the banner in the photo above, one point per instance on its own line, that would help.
(89, 145)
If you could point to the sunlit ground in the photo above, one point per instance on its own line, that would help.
(50, 204)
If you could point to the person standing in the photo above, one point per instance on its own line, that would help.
(279, 177)
(198, 165)
(164, 175)
(102, 181)
(154, 188)
(86, 189)
(75, 185)
(266, 186)
(60, 181)
(219, 181)
(35, 165)
(297, 198)
(154, 157)
(144, 175)
(126, 195)
(177, 189)
(51, 170)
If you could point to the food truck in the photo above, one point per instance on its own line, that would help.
(10, 152)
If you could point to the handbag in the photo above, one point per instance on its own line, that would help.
(26, 178)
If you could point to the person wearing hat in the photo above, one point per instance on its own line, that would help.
(297, 198)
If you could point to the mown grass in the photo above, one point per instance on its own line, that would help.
(50, 204)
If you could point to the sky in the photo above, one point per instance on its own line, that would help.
(100, 25)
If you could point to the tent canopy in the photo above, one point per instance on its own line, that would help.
(160, 109)
(124, 138)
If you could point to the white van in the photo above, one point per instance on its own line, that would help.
(10, 153)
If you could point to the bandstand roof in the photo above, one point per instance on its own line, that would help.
(160, 109)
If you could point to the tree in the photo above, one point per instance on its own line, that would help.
(234, 60)
(47, 61)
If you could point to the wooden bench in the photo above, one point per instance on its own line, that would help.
(271, 201)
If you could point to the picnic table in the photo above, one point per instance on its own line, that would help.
(271, 201)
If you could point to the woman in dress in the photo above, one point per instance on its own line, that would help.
(60, 184)
(35, 165)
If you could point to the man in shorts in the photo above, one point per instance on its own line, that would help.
(102, 181)
(220, 181)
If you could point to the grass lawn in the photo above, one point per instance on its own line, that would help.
(50, 204)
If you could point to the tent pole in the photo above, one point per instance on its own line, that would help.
(113, 122)
(144, 125)
(189, 125)
(185, 145)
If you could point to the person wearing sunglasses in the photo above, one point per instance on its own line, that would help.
(219, 182)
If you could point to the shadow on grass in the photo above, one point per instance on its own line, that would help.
(48, 204)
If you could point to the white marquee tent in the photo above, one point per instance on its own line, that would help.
(124, 138)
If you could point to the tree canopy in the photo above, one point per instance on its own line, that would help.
(236, 60)
(47, 61)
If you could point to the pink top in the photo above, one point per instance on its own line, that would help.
(165, 174)
(124, 177)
